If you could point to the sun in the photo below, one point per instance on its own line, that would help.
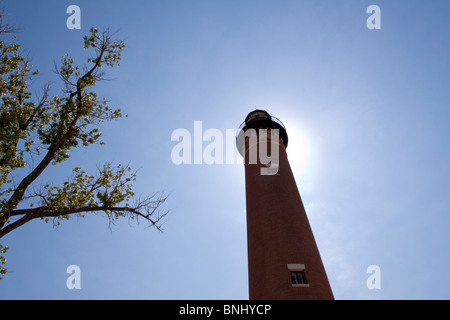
(298, 149)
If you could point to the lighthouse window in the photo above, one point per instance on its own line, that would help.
(298, 277)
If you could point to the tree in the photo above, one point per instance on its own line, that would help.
(38, 131)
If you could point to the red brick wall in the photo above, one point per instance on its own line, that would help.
(278, 234)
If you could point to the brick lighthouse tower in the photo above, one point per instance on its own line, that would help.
(283, 259)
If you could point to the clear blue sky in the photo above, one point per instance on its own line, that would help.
(367, 112)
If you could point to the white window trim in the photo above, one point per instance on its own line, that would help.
(298, 267)
(303, 285)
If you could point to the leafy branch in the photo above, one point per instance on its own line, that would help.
(37, 131)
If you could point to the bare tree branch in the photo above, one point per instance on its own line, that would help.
(148, 209)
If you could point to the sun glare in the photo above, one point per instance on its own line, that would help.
(298, 149)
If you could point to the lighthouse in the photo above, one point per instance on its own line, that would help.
(284, 262)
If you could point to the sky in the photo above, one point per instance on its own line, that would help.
(367, 116)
